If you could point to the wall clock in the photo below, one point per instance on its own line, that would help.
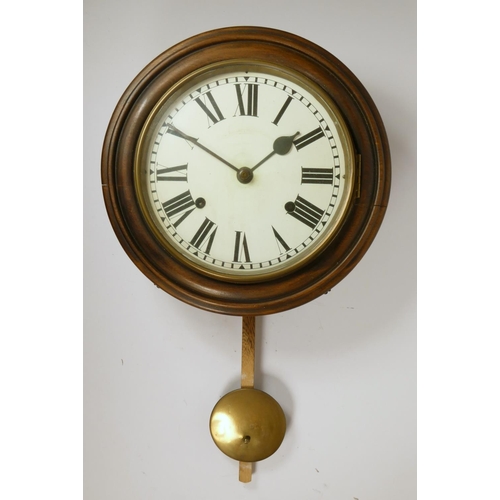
(246, 171)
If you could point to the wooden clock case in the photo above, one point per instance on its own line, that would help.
(364, 214)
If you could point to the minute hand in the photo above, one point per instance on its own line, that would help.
(201, 146)
(281, 146)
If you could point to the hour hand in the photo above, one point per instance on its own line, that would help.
(281, 146)
(175, 131)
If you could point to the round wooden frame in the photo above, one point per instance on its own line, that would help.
(346, 247)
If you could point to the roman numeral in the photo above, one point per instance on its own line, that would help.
(204, 237)
(252, 90)
(282, 244)
(306, 212)
(211, 113)
(179, 173)
(309, 138)
(317, 175)
(241, 247)
(179, 207)
(282, 110)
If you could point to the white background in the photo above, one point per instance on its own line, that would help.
(343, 367)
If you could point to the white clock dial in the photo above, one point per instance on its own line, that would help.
(245, 171)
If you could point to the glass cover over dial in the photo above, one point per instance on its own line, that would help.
(244, 170)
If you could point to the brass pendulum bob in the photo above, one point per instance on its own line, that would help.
(247, 425)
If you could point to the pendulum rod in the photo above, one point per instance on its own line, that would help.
(247, 376)
(248, 352)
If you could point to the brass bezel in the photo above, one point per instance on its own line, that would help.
(338, 217)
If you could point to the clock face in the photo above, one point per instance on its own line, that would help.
(245, 171)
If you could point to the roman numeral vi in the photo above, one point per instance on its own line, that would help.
(241, 248)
